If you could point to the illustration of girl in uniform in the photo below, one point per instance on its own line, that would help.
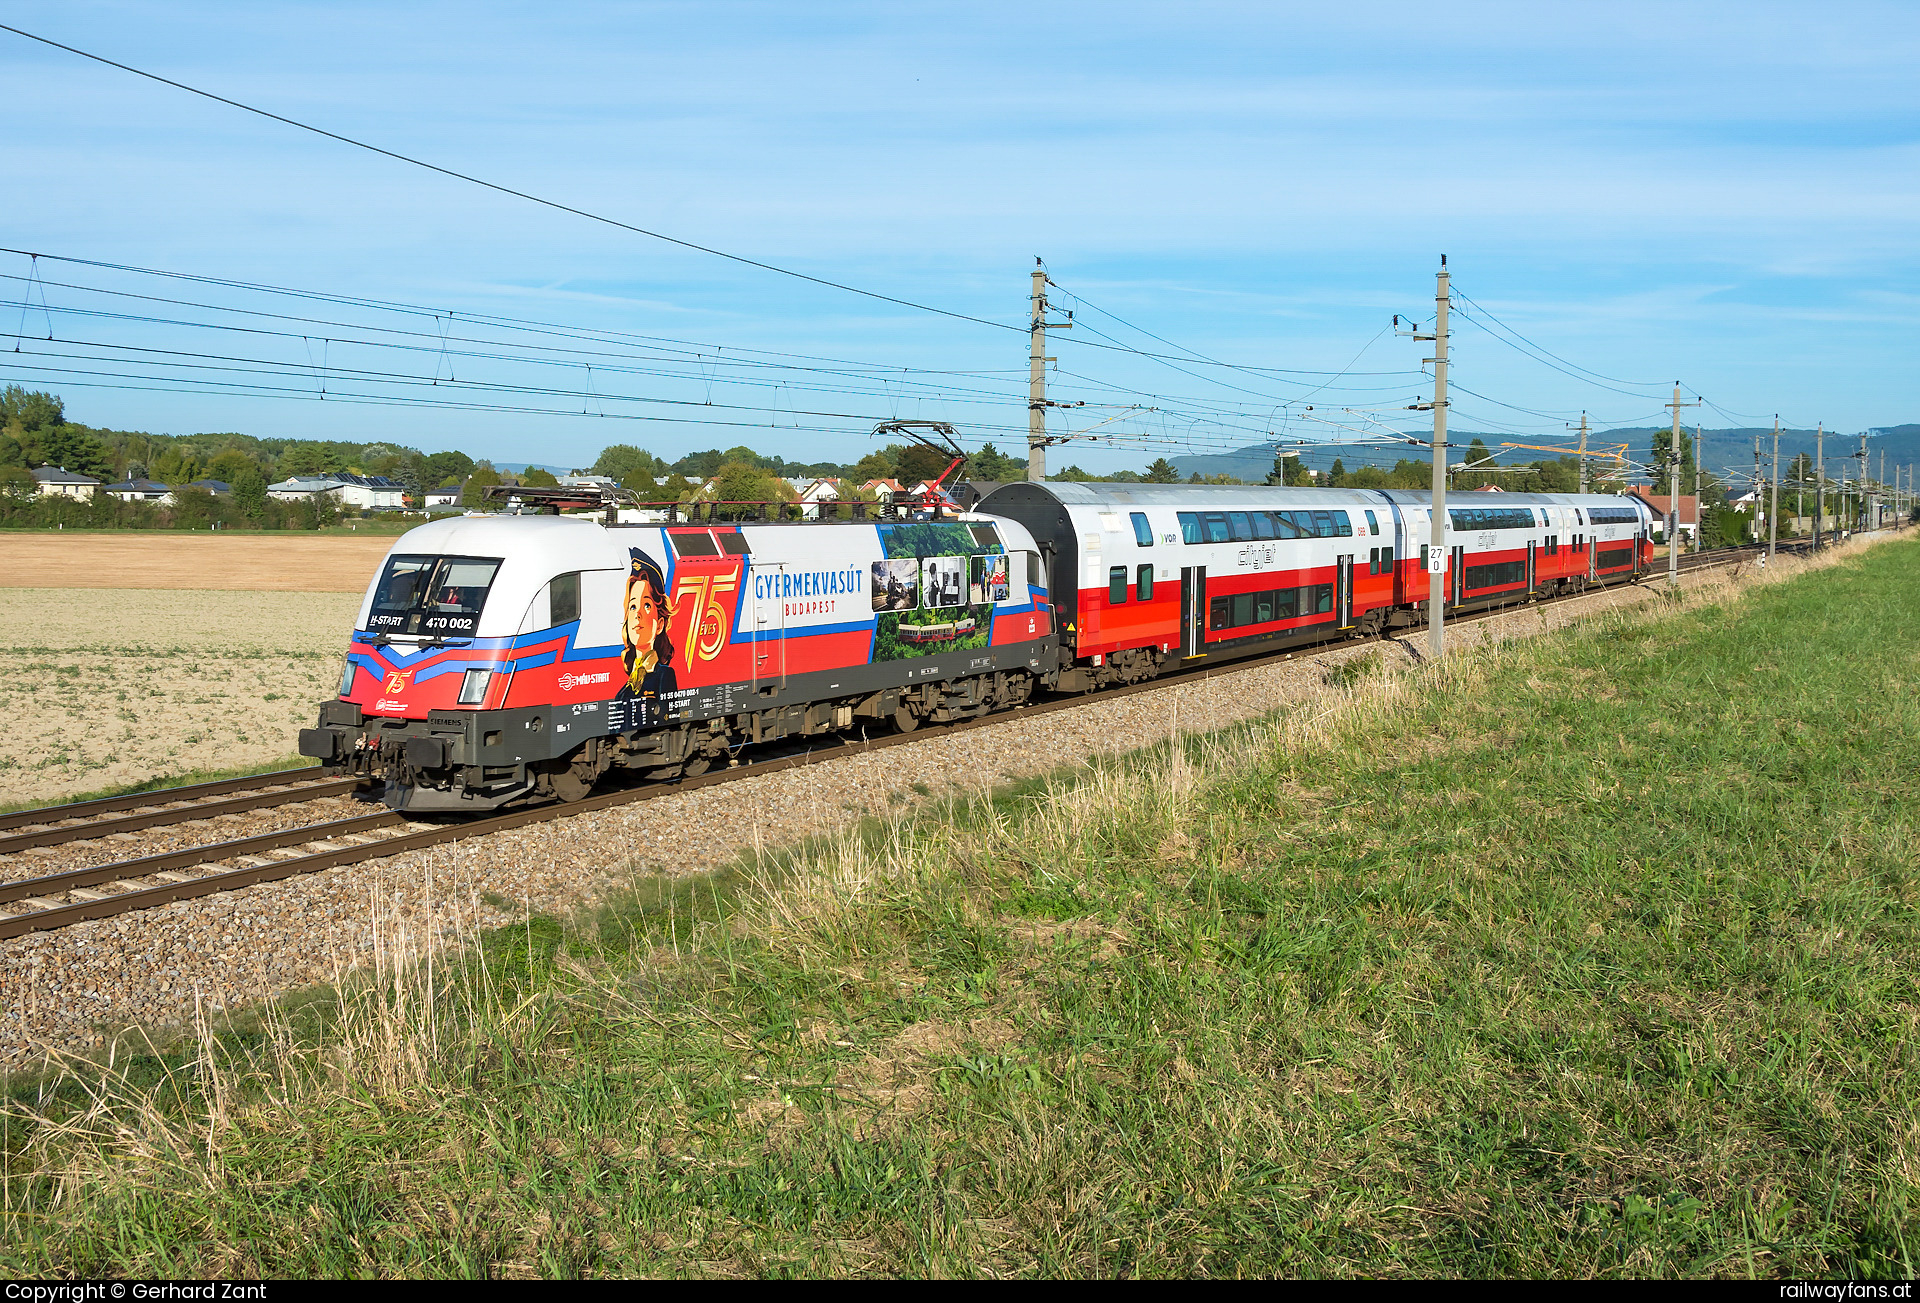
(649, 653)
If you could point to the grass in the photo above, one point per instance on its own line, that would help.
(1582, 956)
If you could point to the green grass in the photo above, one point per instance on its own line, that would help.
(1585, 956)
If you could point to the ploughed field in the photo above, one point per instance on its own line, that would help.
(105, 687)
(277, 562)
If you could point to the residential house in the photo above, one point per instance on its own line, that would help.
(1688, 524)
(884, 489)
(363, 492)
(447, 495)
(813, 493)
(219, 488)
(589, 482)
(140, 491)
(59, 482)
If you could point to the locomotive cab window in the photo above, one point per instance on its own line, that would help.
(693, 542)
(733, 543)
(435, 597)
(983, 535)
(563, 600)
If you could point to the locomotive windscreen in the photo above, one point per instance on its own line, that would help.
(432, 596)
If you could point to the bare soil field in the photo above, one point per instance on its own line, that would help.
(104, 688)
(267, 562)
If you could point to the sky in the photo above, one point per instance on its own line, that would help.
(1725, 196)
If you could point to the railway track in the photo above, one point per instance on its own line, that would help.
(102, 891)
(90, 820)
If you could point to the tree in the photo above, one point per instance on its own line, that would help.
(17, 482)
(990, 464)
(444, 466)
(1161, 472)
(739, 481)
(250, 493)
(878, 465)
(318, 510)
(228, 466)
(175, 465)
(475, 493)
(1073, 475)
(631, 467)
(700, 464)
(535, 477)
(75, 448)
(305, 459)
(678, 488)
(920, 462)
(1337, 475)
(35, 410)
(1293, 472)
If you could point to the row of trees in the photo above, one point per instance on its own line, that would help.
(35, 431)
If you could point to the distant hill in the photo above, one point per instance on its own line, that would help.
(1726, 453)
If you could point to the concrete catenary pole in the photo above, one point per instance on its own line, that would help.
(1437, 533)
(1583, 452)
(1819, 482)
(1773, 508)
(1037, 380)
(1673, 500)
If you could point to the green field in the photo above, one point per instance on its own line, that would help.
(1585, 956)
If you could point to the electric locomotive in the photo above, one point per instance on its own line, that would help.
(504, 658)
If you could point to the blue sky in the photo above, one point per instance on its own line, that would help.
(1724, 195)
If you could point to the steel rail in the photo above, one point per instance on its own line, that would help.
(209, 810)
(159, 796)
(335, 857)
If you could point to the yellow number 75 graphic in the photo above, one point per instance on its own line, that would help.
(707, 629)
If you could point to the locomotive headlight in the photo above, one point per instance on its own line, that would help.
(346, 679)
(473, 687)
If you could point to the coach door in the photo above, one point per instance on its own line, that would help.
(1457, 579)
(769, 630)
(1343, 594)
(1531, 562)
(1193, 611)
(1593, 557)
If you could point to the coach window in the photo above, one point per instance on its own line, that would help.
(1284, 525)
(1116, 586)
(1323, 524)
(1262, 523)
(1189, 527)
(1218, 531)
(563, 600)
(1386, 559)
(1373, 523)
(1342, 524)
(1142, 531)
(1143, 583)
(1242, 527)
